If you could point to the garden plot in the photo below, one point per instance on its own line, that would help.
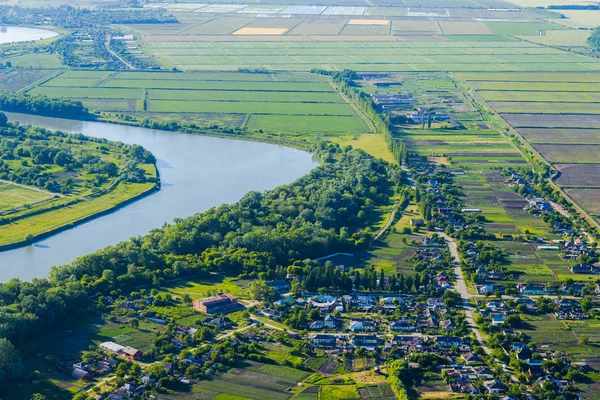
(260, 31)
(387, 11)
(566, 136)
(579, 175)
(552, 121)
(428, 12)
(336, 10)
(382, 22)
(304, 10)
(220, 26)
(184, 7)
(277, 23)
(366, 30)
(222, 8)
(464, 28)
(415, 26)
(261, 9)
(587, 198)
(319, 27)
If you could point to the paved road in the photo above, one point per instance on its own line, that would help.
(115, 54)
(461, 288)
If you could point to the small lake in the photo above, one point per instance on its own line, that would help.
(10, 34)
(197, 172)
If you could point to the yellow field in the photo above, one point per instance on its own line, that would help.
(368, 22)
(260, 31)
(371, 143)
(579, 18)
(568, 38)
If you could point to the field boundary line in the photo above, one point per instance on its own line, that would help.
(41, 81)
(525, 148)
(355, 107)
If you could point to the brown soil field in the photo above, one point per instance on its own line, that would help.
(579, 175)
(567, 136)
(587, 198)
(553, 121)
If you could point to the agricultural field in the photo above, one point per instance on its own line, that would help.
(578, 175)
(559, 114)
(276, 103)
(13, 197)
(587, 198)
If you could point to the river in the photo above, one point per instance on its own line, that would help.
(197, 172)
(14, 34)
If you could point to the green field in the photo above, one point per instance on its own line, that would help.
(269, 102)
(68, 216)
(14, 197)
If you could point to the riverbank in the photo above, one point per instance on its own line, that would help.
(70, 216)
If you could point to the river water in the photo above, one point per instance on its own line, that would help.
(10, 34)
(197, 172)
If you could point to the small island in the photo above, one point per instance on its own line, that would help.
(51, 180)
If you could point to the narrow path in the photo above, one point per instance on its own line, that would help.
(461, 288)
(389, 221)
(35, 189)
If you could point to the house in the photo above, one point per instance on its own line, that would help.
(132, 353)
(270, 313)
(81, 374)
(112, 347)
(323, 341)
(217, 322)
(282, 286)
(471, 359)
(362, 325)
(402, 325)
(498, 319)
(447, 326)
(330, 322)
(449, 341)
(416, 222)
(483, 373)
(531, 288)
(524, 353)
(494, 386)
(367, 341)
(215, 304)
(316, 325)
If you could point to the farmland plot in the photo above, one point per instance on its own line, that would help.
(220, 26)
(20, 79)
(545, 107)
(319, 27)
(587, 198)
(464, 28)
(579, 175)
(538, 86)
(551, 77)
(366, 30)
(552, 121)
(415, 26)
(569, 153)
(567, 97)
(567, 136)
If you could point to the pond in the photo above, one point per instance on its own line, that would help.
(14, 34)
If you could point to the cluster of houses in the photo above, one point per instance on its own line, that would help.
(382, 313)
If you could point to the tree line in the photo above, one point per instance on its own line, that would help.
(324, 212)
(42, 105)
